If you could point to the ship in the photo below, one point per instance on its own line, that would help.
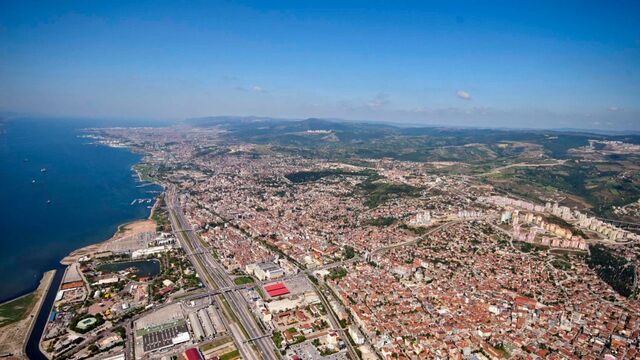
(43, 170)
(33, 181)
(48, 202)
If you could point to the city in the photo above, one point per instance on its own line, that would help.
(310, 258)
(319, 180)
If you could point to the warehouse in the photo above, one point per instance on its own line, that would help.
(276, 289)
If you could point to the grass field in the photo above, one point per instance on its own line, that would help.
(15, 310)
(230, 355)
(243, 280)
(216, 343)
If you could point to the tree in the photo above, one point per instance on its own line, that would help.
(348, 252)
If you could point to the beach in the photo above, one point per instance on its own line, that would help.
(123, 232)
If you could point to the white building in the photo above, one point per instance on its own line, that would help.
(422, 218)
(356, 335)
(150, 251)
(268, 271)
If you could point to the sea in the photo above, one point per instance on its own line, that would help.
(60, 192)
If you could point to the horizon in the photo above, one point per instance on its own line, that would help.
(327, 180)
(132, 122)
(525, 66)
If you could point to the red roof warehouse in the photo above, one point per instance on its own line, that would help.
(193, 354)
(276, 289)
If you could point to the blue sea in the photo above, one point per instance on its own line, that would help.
(90, 189)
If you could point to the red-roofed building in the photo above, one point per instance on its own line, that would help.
(193, 354)
(274, 286)
(526, 302)
(276, 289)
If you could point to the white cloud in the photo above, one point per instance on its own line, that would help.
(379, 101)
(253, 88)
(463, 95)
(613, 108)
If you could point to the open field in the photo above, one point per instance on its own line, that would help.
(17, 316)
(15, 310)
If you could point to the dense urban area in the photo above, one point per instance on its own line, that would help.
(329, 240)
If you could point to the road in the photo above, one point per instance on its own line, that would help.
(425, 235)
(522, 165)
(215, 277)
(218, 281)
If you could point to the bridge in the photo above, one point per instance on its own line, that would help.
(216, 292)
(258, 337)
(194, 253)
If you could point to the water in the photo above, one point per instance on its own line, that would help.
(32, 347)
(142, 267)
(90, 188)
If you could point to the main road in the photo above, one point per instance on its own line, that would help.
(215, 277)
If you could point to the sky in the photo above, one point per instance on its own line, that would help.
(538, 64)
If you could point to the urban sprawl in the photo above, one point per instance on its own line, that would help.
(257, 253)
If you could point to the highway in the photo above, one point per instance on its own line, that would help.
(221, 286)
(215, 278)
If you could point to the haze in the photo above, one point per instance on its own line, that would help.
(534, 64)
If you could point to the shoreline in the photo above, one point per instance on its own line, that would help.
(34, 303)
(64, 260)
(69, 260)
(72, 257)
(121, 232)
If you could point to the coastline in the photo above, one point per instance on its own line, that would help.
(39, 339)
(123, 230)
(30, 308)
(68, 260)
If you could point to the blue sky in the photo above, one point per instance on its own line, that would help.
(504, 63)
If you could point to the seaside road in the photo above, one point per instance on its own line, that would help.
(215, 277)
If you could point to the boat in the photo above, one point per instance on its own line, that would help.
(48, 202)
(43, 170)
(33, 181)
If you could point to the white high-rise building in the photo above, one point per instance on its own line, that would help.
(422, 218)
